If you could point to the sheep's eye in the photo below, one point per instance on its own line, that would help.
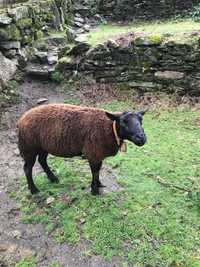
(125, 121)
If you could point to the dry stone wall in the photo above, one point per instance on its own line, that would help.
(147, 63)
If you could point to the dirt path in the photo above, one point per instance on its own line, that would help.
(16, 239)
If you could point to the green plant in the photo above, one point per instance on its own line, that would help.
(9, 95)
(26, 262)
(195, 13)
(57, 77)
(94, 6)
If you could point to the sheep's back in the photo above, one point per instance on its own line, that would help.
(64, 130)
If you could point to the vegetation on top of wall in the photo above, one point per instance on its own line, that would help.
(176, 30)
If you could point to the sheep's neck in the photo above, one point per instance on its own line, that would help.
(121, 144)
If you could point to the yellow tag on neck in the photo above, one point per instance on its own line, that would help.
(123, 147)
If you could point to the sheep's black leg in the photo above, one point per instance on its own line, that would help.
(28, 166)
(43, 162)
(96, 184)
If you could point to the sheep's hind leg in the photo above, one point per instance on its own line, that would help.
(96, 184)
(28, 167)
(43, 162)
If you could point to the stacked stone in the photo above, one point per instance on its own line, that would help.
(147, 63)
(20, 26)
(144, 9)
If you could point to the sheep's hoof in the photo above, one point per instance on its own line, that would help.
(101, 185)
(34, 190)
(53, 179)
(95, 191)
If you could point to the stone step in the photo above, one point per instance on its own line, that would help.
(39, 70)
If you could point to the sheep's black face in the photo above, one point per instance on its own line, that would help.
(130, 126)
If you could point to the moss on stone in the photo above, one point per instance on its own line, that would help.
(39, 34)
(24, 23)
(65, 63)
(11, 32)
(41, 45)
(3, 35)
(150, 40)
(28, 40)
(155, 38)
(65, 60)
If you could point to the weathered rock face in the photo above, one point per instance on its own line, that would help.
(22, 24)
(147, 63)
(30, 21)
(143, 9)
(7, 70)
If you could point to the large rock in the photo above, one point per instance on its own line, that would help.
(10, 32)
(7, 70)
(169, 75)
(150, 40)
(5, 20)
(79, 49)
(10, 45)
(39, 70)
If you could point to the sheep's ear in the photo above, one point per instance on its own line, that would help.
(142, 112)
(112, 116)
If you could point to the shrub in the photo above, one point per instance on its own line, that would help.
(195, 13)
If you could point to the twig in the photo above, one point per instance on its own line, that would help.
(168, 184)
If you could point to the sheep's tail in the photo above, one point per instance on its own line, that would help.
(20, 142)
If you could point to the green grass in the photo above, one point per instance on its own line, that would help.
(175, 28)
(145, 224)
(26, 262)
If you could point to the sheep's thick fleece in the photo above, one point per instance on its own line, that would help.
(67, 130)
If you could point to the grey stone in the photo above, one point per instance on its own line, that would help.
(52, 58)
(42, 56)
(81, 38)
(71, 34)
(23, 56)
(86, 27)
(112, 44)
(7, 70)
(169, 75)
(78, 24)
(79, 49)
(41, 101)
(79, 19)
(38, 70)
(5, 20)
(10, 45)
(80, 31)
(141, 84)
(19, 12)
(148, 41)
(10, 53)
(100, 19)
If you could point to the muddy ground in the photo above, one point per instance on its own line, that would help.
(18, 240)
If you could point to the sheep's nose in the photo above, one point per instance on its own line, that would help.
(140, 136)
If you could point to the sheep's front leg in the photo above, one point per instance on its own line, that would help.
(96, 184)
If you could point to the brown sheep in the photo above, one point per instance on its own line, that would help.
(67, 130)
